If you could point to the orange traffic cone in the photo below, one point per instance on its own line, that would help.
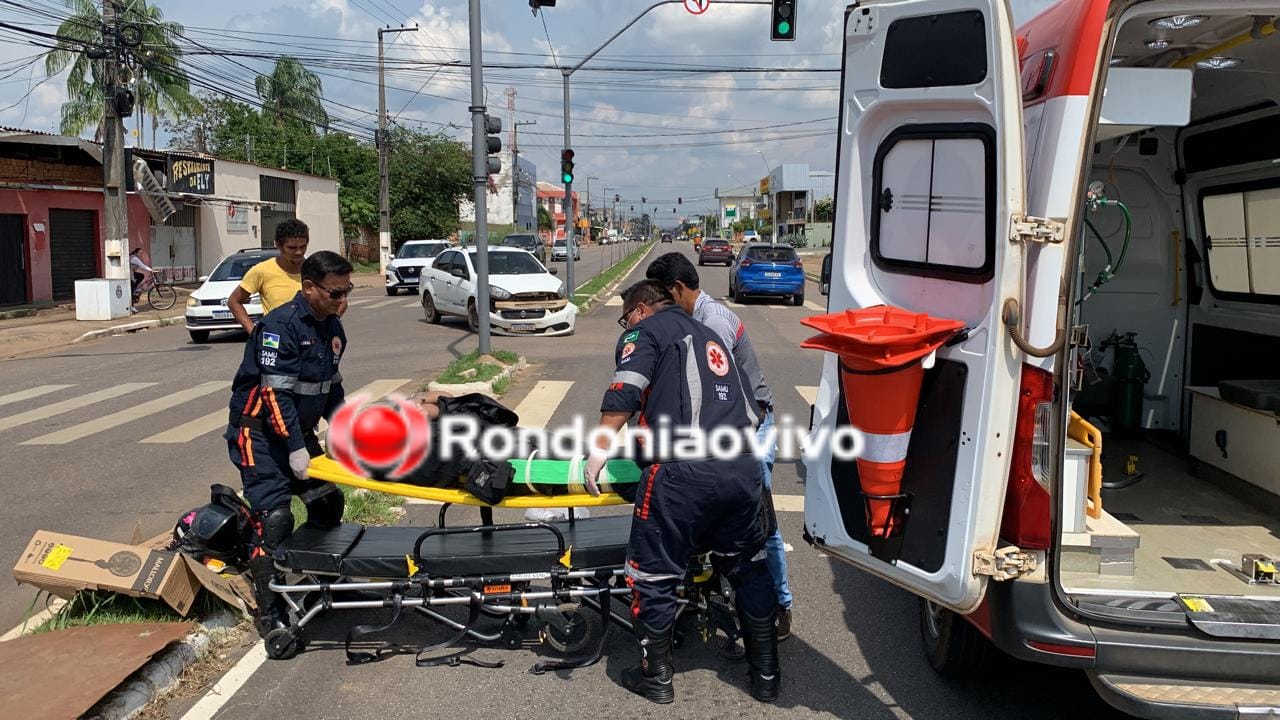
(881, 351)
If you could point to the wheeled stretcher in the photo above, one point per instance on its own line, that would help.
(552, 583)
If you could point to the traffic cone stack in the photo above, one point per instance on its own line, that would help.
(882, 351)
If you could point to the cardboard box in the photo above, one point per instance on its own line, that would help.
(65, 564)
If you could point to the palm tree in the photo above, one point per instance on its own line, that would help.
(160, 86)
(292, 92)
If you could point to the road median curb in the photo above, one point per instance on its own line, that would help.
(611, 287)
(129, 328)
(484, 386)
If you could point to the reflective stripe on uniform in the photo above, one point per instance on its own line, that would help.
(693, 382)
(279, 382)
(628, 377)
(293, 384)
(885, 448)
(639, 575)
(313, 388)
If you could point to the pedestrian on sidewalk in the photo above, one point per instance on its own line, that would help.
(276, 280)
(674, 272)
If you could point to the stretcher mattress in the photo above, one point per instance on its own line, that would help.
(356, 551)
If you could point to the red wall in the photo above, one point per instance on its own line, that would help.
(35, 205)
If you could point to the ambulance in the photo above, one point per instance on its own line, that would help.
(1092, 478)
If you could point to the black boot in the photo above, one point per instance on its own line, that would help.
(761, 638)
(653, 678)
(271, 609)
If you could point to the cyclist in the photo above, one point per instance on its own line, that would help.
(140, 272)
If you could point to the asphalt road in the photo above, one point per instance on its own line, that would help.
(854, 653)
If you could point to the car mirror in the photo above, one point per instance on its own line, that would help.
(202, 278)
(553, 271)
(824, 286)
(458, 273)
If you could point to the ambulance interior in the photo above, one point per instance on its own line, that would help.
(1178, 288)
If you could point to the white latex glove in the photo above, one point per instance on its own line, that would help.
(298, 461)
(595, 463)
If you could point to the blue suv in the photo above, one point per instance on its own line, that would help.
(762, 269)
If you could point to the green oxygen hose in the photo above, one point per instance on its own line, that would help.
(1109, 271)
(1105, 247)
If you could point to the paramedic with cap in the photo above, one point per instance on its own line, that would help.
(676, 372)
(288, 380)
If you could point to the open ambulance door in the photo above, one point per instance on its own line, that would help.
(929, 183)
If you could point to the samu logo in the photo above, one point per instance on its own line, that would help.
(388, 439)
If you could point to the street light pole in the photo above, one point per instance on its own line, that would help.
(480, 176)
(384, 159)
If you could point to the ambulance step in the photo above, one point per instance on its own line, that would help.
(1107, 547)
(1232, 616)
(1158, 697)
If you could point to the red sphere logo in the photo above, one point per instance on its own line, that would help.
(387, 440)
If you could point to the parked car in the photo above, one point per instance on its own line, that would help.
(666, 237)
(529, 243)
(405, 268)
(772, 270)
(207, 307)
(714, 250)
(560, 251)
(525, 298)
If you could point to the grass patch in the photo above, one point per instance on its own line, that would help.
(100, 607)
(366, 508)
(502, 385)
(471, 361)
(606, 278)
(364, 267)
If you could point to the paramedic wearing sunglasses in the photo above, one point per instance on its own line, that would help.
(671, 368)
(287, 381)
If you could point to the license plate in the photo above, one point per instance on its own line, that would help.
(773, 275)
(522, 327)
(412, 280)
(222, 315)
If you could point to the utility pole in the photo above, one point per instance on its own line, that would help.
(515, 173)
(116, 249)
(480, 176)
(384, 159)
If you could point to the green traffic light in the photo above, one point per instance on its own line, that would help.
(784, 28)
(566, 178)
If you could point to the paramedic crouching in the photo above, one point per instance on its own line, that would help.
(287, 381)
(674, 370)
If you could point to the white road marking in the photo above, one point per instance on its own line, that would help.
(74, 403)
(382, 304)
(29, 393)
(188, 431)
(536, 409)
(813, 305)
(614, 301)
(788, 503)
(413, 304)
(360, 300)
(137, 412)
(808, 392)
(226, 688)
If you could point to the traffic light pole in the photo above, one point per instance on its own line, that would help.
(480, 175)
(566, 72)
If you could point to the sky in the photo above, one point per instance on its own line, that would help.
(620, 121)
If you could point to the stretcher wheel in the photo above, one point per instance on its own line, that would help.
(283, 644)
(582, 627)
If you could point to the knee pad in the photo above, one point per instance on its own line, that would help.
(277, 526)
(325, 507)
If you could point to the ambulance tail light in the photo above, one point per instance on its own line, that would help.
(1026, 520)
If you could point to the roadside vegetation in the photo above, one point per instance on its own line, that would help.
(588, 289)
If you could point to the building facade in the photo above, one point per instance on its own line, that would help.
(551, 197)
(788, 195)
(511, 196)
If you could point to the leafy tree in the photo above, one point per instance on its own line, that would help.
(159, 88)
(544, 218)
(430, 174)
(292, 92)
(824, 210)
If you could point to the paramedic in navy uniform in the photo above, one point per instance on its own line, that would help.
(673, 369)
(287, 381)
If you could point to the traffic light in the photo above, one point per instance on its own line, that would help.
(535, 4)
(493, 144)
(566, 166)
(617, 198)
(633, 208)
(643, 200)
(784, 20)
(679, 201)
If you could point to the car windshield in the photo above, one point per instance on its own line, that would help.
(772, 254)
(421, 250)
(234, 268)
(511, 263)
(520, 241)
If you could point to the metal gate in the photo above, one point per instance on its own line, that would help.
(71, 247)
(13, 260)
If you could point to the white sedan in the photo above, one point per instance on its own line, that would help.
(207, 307)
(525, 298)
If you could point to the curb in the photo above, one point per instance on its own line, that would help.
(608, 289)
(485, 387)
(162, 672)
(11, 314)
(129, 327)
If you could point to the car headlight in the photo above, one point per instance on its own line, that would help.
(560, 290)
(498, 293)
(192, 302)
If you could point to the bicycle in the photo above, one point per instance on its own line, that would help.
(160, 294)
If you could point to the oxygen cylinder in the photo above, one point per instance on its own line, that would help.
(1131, 376)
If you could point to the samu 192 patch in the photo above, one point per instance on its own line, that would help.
(267, 358)
(271, 340)
(722, 392)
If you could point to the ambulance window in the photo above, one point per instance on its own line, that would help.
(934, 190)
(1242, 235)
(935, 51)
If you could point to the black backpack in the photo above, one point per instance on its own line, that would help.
(224, 530)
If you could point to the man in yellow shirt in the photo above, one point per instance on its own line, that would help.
(276, 280)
